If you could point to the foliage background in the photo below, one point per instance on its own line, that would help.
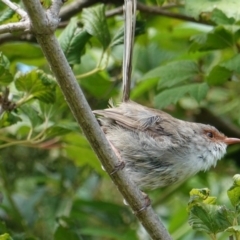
(52, 185)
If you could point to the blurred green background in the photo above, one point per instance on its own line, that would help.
(51, 184)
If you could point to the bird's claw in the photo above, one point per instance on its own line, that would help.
(147, 203)
(118, 167)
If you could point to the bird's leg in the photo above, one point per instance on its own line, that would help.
(121, 163)
(147, 203)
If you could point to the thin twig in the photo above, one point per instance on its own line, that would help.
(15, 27)
(157, 11)
(119, 10)
(15, 8)
(160, 11)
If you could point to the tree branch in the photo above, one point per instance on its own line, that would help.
(84, 116)
(15, 8)
(14, 27)
(160, 11)
(76, 6)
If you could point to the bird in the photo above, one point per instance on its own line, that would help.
(157, 149)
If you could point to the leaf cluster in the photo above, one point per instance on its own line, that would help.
(206, 216)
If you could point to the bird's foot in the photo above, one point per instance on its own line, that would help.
(121, 163)
(147, 203)
(118, 167)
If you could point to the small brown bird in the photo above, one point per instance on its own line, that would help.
(158, 149)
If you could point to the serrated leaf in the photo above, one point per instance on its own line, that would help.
(8, 119)
(234, 191)
(73, 40)
(95, 23)
(199, 196)
(210, 218)
(198, 91)
(61, 129)
(230, 8)
(5, 75)
(219, 38)
(166, 97)
(173, 73)
(32, 114)
(36, 84)
(220, 18)
(218, 75)
(232, 64)
(119, 36)
(233, 229)
(176, 72)
(203, 193)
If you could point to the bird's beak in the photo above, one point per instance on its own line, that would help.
(229, 141)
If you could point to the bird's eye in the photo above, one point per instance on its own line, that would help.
(209, 134)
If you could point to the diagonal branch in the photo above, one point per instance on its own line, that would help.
(84, 116)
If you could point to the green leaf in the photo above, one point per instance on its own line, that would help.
(118, 38)
(176, 72)
(219, 38)
(78, 149)
(173, 73)
(8, 119)
(6, 15)
(3, 228)
(166, 97)
(32, 114)
(198, 91)
(36, 84)
(23, 52)
(5, 236)
(230, 8)
(203, 193)
(143, 87)
(99, 210)
(199, 196)
(210, 218)
(220, 18)
(218, 75)
(5, 75)
(234, 191)
(63, 233)
(98, 85)
(95, 23)
(233, 229)
(232, 64)
(61, 129)
(73, 40)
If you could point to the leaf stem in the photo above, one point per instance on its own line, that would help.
(99, 67)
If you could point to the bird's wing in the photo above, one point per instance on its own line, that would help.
(137, 117)
(118, 118)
